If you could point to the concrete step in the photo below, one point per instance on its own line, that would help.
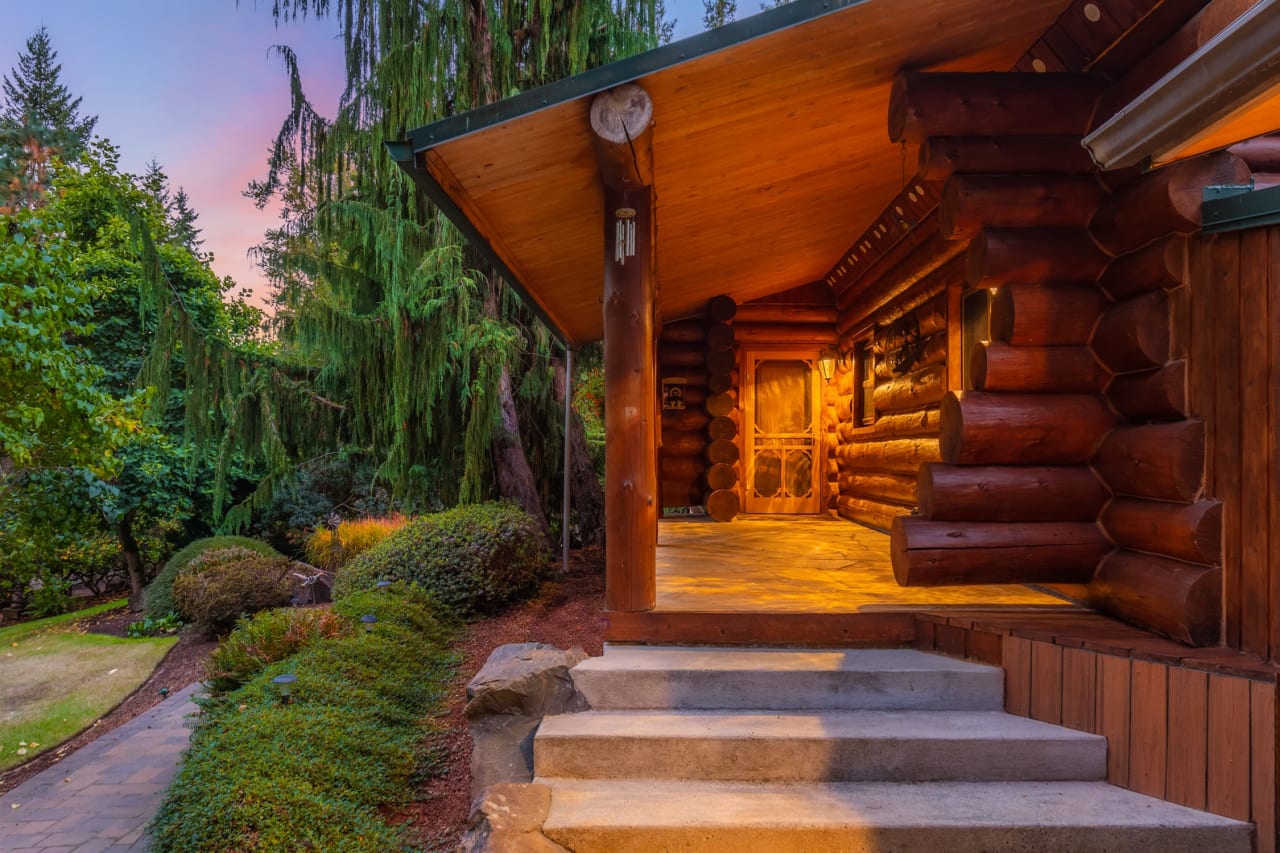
(837, 746)
(650, 816)
(648, 677)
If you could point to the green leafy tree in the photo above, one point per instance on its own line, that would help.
(717, 13)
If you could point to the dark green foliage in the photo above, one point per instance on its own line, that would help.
(168, 624)
(469, 559)
(312, 775)
(52, 598)
(213, 597)
(160, 593)
(269, 637)
(34, 95)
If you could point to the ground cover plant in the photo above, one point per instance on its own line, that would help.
(470, 559)
(313, 774)
(55, 680)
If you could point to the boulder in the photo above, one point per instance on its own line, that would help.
(506, 701)
(507, 818)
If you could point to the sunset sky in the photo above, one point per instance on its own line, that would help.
(194, 85)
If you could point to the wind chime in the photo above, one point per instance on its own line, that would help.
(624, 245)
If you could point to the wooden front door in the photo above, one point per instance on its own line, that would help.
(784, 452)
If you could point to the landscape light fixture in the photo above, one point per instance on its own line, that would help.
(369, 621)
(827, 362)
(284, 683)
(383, 584)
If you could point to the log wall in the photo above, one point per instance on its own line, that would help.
(901, 302)
(1195, 727)
(1227, 325)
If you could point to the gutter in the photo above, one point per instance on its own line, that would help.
(1230, 70)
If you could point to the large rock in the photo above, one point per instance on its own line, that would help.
(508, 818)
(519, 685)
(526, 679)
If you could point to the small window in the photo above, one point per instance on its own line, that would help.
(977, 327)
(864, 383)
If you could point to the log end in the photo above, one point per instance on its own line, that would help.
(978, 365)
(900, 115)
(621, 114)
(723, 505)
(951, 427)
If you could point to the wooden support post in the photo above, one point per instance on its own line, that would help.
(621, 119)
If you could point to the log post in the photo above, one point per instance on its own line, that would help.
(621, 119)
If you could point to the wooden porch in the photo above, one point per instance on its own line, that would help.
(794, 580)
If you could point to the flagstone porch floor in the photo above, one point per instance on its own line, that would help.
(800, 564)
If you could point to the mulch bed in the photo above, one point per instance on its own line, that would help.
(566, 613)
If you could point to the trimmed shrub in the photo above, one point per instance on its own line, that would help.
(266, 638)
(214, 597)
(159, 597)
(312, 775)
(469, 559)
(354, 538)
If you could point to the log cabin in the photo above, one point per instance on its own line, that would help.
(1006, 288)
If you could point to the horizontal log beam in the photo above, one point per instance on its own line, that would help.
(915, 390)
(790, 333)
(901, 456)
(1157, 395)
(939, 553)
(1045, 315)
(671, 354)
(1134, 334)
(685, 420)
(692, 331)
(1032, 255)
(682, 467)
(1162, 265)
(767, 312)
(1188, 532)
(985, 428)
(927, 104)
(971, 203)
(1009, 493)
(677, 443)
(924, 291)
(909, 212)
(1062, 370)
(905, 425)
(1160, 461)
(872, 513)
(719, 337)
(1166, 201)
(892, 488)
(1176, 599)
(932, 351)
(1261, 154)
(943, 156)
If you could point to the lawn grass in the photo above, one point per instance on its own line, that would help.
(55, 680)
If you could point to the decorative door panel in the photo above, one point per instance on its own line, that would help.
(784, 457)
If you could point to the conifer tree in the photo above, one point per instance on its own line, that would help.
(182, 222)
(38, 120)
(447, 376)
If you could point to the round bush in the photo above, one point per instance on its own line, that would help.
(159, 596)
(219, 594)
(471, 558)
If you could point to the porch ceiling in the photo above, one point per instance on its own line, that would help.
(770, 148)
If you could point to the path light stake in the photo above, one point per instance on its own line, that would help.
(369, 620)
(383, 584)
(284, 683)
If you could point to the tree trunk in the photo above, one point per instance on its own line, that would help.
(587, 500)
(132, 561)
(515, 477)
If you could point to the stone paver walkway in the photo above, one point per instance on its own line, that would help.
(101, 797)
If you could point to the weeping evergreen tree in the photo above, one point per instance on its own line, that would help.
(444, 375)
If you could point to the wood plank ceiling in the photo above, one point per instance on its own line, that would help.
(770, 156)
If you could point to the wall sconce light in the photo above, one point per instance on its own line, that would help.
(624, 244)
(284, 683)
(368, 620)
(827, 362)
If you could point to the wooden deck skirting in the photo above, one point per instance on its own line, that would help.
(1196, 727)
(808, 630)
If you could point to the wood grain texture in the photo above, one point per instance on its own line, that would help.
(1113, 715)
(1046, 682)
(1263, 778)
(1186, 772)
(1149, 732)
(1017, 679)
(1226, 447)
(1080, 690)
(1228, 748)
(1257, 490)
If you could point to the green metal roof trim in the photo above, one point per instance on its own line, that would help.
(405, 152)
(1239, 208)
